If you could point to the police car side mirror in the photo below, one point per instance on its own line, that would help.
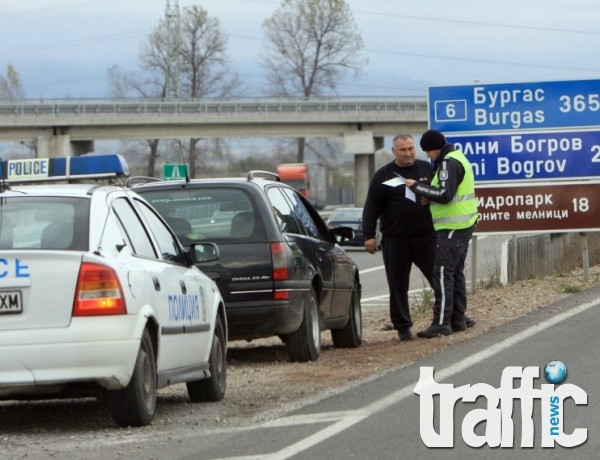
(204, 252)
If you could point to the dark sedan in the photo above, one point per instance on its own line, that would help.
(279, 270)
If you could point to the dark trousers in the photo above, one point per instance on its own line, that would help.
(398, 256)
(449, 285)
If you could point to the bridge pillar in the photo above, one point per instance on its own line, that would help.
(364, 165)
(60, 145)
(364, 168)
(363, 145)
(81, 147)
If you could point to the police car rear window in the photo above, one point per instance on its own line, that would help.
(57, 223)
(215, 214)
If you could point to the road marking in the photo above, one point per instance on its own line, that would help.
(346, 419)
(384, 296)
(375, 298)
(372, 269)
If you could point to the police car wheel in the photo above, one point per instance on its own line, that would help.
(305, 343)
(135, 404)
(213, 388)
(350, 336)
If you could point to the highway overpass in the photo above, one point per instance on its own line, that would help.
(56, 123)
(70, 126)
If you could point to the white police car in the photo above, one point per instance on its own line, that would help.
(97, 295)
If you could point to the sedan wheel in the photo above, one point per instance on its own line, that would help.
(305, 344)
(350, 336)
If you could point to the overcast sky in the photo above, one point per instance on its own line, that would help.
(63, 48)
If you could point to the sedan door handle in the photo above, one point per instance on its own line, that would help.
(156, 283)
(183, 288)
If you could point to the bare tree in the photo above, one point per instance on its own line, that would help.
(125, 84)
(11, 89)
(310, 45)
(203, 66)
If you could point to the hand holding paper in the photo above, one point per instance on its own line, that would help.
(395, 182)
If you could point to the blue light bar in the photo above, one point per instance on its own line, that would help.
(64, 168)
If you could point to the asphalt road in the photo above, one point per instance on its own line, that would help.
(487, 259)
(380, 418)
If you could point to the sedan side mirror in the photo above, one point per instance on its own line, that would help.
(342, 234)
(204, 252)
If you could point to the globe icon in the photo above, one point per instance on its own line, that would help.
(555, 372)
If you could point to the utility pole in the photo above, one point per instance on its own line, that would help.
(172, 89)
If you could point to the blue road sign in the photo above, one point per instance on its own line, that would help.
(545, 155)
(515, 106)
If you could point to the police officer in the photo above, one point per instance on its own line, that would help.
(453, 207)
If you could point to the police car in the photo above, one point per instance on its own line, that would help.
(97, 295)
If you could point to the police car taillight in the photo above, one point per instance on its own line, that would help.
(280, 268)
(98, 292)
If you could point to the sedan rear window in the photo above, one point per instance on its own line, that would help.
(216, 214)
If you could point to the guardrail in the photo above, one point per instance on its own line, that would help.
(152, 107)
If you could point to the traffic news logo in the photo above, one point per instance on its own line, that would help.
(498, 415)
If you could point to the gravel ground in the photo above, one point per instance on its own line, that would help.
(263, 384)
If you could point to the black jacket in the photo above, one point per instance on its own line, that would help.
(398, 216)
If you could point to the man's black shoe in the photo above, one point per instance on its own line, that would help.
(405, 335)
(435, 330)
(459, 326)
(469, 322)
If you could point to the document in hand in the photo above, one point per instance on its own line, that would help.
(399, 180)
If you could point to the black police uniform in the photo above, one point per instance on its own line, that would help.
(452, 245)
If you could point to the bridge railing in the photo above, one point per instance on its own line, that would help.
(257, 106)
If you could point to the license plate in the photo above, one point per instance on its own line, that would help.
(11, 302)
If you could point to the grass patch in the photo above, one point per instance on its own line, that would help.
(571, 289)
(422, 304)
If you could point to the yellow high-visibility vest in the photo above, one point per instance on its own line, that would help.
(461, 212)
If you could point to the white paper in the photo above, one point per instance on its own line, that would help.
(399, 180)
(395, 182)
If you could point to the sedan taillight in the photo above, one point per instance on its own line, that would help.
(280, 268)
(98, 292)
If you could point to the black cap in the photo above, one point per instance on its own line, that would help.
(432, 140)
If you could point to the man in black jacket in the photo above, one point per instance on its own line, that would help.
(405, 224)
